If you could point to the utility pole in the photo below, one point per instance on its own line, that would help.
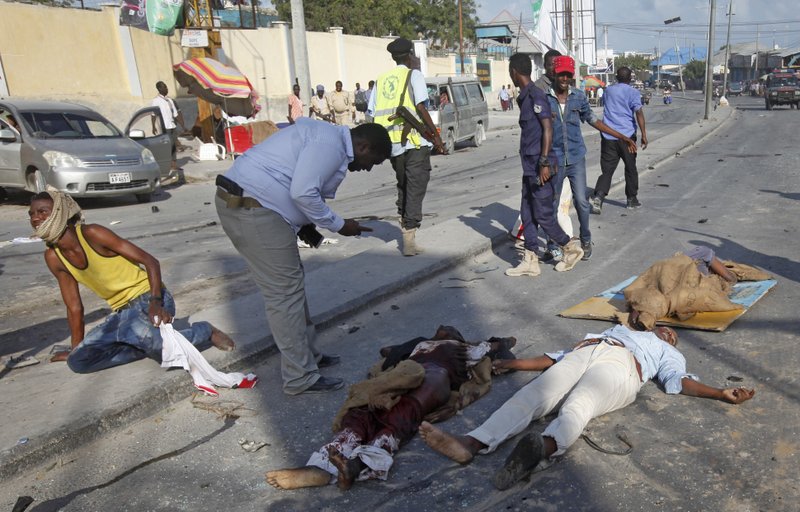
(198, 17)
(300, 50)
(723, 100)
(680, 65)
(605, 50)
(755, 71)
(709, 64)
(461, 36)
(658, 73)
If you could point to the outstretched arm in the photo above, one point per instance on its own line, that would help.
(535, 364)
(738, 395)
(72, 300)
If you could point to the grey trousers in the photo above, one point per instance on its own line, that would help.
(269, 246)
(413, 171)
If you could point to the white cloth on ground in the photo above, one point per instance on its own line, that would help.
(178, 351)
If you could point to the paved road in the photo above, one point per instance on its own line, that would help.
(689, 454)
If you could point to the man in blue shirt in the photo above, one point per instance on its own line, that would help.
(275, 192)
(538, 169)
(622, 111)
(603, 373)
(570, 108)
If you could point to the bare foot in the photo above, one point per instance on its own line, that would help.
(221, 340)
(348, 468)
(452, 447)
(297, 478)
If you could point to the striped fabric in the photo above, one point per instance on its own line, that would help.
(211, 74)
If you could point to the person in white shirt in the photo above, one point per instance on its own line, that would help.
(171, 116)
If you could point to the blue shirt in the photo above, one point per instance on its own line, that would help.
(568, 145)
(658, 359)
(533, 107)
(295, 170)
(620, 104)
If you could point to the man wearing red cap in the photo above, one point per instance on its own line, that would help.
(570, 108)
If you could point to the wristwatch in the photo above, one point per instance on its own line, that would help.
(544, 161)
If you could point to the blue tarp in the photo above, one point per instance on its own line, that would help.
(670, 56)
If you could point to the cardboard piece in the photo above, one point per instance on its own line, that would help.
(610, 305)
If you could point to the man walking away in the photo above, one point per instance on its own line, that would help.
(404, 86)
(622, 112)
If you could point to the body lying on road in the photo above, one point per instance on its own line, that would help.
(601, 374)
(428, 379)
(685, 284)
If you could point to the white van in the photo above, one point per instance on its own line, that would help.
(458, 108)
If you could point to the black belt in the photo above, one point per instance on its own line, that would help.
(597, 341)
(232, 201)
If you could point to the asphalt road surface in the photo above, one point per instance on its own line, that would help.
(737, 192)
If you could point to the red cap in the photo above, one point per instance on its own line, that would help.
(564, 64)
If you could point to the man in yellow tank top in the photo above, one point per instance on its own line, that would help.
(122, 274)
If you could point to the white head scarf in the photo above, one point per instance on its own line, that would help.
(64, 208)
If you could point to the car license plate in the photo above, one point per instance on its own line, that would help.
(119, 177)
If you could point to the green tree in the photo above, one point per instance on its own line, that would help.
(695, 70)
(635, 62)
(436, 20)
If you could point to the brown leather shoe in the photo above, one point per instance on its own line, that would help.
(221, 340)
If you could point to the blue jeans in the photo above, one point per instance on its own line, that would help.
(127, 335)
(576, 174)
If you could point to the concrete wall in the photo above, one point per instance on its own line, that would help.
(56, 52)
(85, 56)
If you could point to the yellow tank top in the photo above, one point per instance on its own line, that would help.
(114, 279)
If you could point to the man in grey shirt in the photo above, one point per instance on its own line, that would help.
(546, 80)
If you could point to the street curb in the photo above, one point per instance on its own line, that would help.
(173, 389)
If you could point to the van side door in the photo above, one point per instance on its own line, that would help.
(461, 102)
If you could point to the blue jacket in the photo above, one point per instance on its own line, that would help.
(568, 145)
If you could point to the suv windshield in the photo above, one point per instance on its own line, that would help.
(68, 125)
(783, 81)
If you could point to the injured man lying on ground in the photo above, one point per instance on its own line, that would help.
(422, 379)
(686, 284)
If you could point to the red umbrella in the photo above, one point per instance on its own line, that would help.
(218, 84)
